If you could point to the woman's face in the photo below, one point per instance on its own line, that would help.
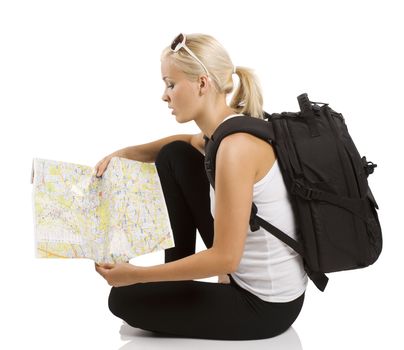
(181, 94)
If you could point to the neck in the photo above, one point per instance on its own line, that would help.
(212, 117)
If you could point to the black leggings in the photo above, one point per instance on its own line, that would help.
(193, 308)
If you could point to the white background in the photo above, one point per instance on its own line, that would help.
(80, 79)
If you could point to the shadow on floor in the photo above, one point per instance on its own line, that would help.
(141, 339)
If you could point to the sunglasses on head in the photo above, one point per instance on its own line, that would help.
(179, 42)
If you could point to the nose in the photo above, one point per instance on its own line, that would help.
(165, 97)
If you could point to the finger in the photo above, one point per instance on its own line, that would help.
(99, 173)
(97, 167)
(99, 163)
(106, 266)
(94, 172)
(100, 270)
(100, 170)
(103, 167)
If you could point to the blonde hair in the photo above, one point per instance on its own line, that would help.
(247, 99)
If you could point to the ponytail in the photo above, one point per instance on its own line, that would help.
(247, 98)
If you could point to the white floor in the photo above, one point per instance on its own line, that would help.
(138, 339)
(61, 304)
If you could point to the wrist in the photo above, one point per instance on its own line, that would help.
(120, 153)
(141, 274)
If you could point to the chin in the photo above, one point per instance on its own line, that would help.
(182, 120)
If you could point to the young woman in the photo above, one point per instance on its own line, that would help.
(267, 279)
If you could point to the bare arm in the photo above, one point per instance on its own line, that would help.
(148, 152)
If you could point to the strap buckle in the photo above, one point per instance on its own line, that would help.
(254, 225)
(368, 166)
(302, 191)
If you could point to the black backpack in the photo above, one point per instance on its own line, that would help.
(335, 211)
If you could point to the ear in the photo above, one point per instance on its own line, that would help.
(204, 83)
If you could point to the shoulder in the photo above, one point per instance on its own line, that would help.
(245, 153)
(244, 145)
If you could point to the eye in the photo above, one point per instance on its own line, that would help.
(170, 86)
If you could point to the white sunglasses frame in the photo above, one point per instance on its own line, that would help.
(182, 44)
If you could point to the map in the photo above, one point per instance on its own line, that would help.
(109, 219)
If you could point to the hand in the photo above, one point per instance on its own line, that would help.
(118, 275)
(102, 165)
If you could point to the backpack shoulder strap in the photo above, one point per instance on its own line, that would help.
(254, 126)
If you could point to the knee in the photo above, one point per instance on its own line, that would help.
(130, 304)
(173, 151)
(121, 300)
(115, 302)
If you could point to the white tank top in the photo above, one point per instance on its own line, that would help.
(269, 268)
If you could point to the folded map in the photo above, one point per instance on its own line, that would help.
(109, 219)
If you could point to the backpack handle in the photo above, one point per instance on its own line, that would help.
(308, 113)
(304, 103)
